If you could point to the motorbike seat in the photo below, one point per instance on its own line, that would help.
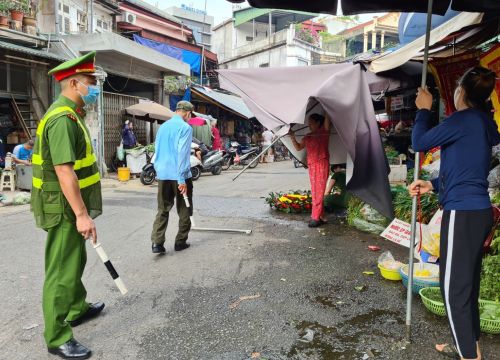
(210, 153)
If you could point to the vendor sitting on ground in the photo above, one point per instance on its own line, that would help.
(22, 153)
(335, 192)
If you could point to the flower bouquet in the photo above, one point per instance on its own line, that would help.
(291, 202)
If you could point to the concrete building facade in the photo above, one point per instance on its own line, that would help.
(264, 38)
(197, 20)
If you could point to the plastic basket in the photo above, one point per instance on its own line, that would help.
(418, 283)
(435, 307)
(489, 326)
(389, 274)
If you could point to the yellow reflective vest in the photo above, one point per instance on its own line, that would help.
(47, 200)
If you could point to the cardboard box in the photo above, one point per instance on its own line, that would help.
(13, 138)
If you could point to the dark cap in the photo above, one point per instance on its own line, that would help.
(184, 105)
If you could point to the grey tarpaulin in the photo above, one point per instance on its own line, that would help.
(282, 96)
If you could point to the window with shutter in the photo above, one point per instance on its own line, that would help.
(67, 25)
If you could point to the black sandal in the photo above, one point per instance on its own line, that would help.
(449, 351)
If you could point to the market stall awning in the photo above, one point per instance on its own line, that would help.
(279, 101)
(121, 56)
(350, 7)
(225, 100)
(400, 56)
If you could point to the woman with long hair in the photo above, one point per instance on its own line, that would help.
(318, 162)
(466, 139)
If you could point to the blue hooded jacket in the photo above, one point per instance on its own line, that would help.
(466, 139)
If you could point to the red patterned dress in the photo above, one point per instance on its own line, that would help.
(318, 162)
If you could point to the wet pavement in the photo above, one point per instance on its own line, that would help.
(284, 292)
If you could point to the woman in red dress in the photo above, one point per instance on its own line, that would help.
(216, 141)
(318, 162)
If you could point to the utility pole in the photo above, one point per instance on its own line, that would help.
(203, 44)
(91, 27)
(56, 14)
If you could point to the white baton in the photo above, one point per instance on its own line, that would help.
(191, 218)
(102, 254)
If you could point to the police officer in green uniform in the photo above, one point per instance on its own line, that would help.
(66, 197)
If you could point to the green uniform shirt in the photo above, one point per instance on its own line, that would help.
(64, 142)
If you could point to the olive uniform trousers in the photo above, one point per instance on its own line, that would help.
(168, 193)
(63, 291)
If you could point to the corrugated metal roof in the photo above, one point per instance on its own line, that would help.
(34, 52)
(245, 15)
(229, 101)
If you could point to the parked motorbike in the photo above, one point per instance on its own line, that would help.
(241, 158)
(211, 161)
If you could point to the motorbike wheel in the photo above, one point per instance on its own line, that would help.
(196, 173)
(226, 164)
(216, 170)
(148, 177)
(254, 159)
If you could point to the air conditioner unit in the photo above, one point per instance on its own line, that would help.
(129, 18)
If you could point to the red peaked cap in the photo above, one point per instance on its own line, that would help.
(82, 65)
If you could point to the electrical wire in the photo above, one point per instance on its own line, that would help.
(126, 82)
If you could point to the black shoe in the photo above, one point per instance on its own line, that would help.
(71, 350)
(315, 223)
(94, 310)
(158, 249)
(183, 246)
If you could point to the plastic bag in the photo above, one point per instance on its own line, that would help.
(22, 199)
(494, 177)
(137, 152)
(120, 153)
(495, 151)
(387, 261)
(373, 216)
(366, 226)
(433, 169)
(431, 234)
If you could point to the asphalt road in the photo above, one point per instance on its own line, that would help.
(284, 292)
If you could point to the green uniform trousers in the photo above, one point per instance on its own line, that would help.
(168, 193)
(63, 291)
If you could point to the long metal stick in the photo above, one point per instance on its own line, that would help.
(194, 228)
(409, 295)
(237, 231)
(258, 157)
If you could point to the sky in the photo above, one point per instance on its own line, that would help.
(219, 9)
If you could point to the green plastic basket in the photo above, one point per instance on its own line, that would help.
(435, 307)
(489, 326)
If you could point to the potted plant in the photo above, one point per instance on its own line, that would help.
(30, 14)
(16, 11)
(4, 14)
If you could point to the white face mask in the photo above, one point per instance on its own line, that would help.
(457, 96)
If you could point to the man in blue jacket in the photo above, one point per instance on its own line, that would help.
(173, 169)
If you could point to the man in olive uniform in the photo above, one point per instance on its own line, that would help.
(66, 197)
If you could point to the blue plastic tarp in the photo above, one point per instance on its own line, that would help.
(189, 57)
(174, 99)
